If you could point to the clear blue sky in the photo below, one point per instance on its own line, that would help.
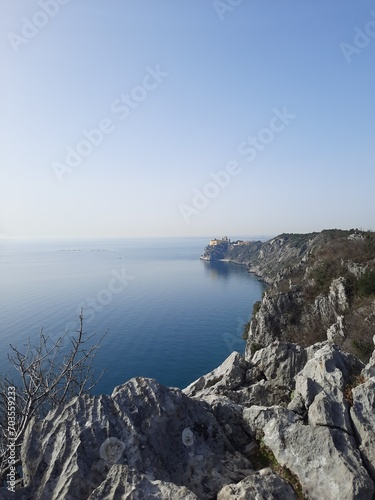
(180, 88)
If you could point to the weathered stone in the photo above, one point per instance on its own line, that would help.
(258, 417)
(323, 309)
(336, 332)
(280, 362)
(263, 484)
(331, 410)
(230, 417)
(149, 441)
(337, 294)
(271, 319)
(363, 417)
(326, 461)
(254, 374)
(320, 388)
(230, 375)
(264, 393)
(329, 370)
(124, 484)
(297, 404)
(149, 419)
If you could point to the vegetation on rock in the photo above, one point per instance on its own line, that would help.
(320, 284)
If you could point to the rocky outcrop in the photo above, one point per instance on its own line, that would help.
(260, 484)
(316, 437)
(135, 440)
(276, 313)
(216, 252)
(266, 259)
(283, 422)
(294, 315)
(321, 285)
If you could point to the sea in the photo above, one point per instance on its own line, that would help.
(165, 313)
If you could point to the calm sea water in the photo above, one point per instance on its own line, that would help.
(169, 315)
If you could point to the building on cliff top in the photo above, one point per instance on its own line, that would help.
(215, 241)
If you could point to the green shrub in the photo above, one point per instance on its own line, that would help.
(323, 275)
(366, 284)
(256, 307)
(255, 347)
(245, 330)
(265, 458)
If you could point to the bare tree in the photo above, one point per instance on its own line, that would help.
(48, 378)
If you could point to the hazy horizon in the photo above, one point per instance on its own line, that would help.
(189, 119)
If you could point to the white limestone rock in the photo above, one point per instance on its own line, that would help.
(326, 461)
(280, 362)
(263, 484)
(329, 370)
(230, 375)
(363, 417)
(258, 417)
(146, 425)
(336, 333)
(337, 294)
(272, 318)
(125, 484)
(202, 442)
(330, 410)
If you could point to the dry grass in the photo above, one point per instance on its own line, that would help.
(266, 458)
(348, 390)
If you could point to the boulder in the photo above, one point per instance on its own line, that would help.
(329, 370)
(280, 362)
(326, 461)
(331, 410)
(261, 484)
(229, 376)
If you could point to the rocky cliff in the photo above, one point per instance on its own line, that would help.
(287, 422)
(289, 419)
(321, 284)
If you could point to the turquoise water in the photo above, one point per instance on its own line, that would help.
(169, 315)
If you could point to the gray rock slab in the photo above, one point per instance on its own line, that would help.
(263, 484)
(326, 461)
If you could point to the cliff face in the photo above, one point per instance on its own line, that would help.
(287, 422)
(265, 259)
(329, 292)
(321, 285)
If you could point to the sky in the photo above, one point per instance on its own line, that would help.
(144, 118)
